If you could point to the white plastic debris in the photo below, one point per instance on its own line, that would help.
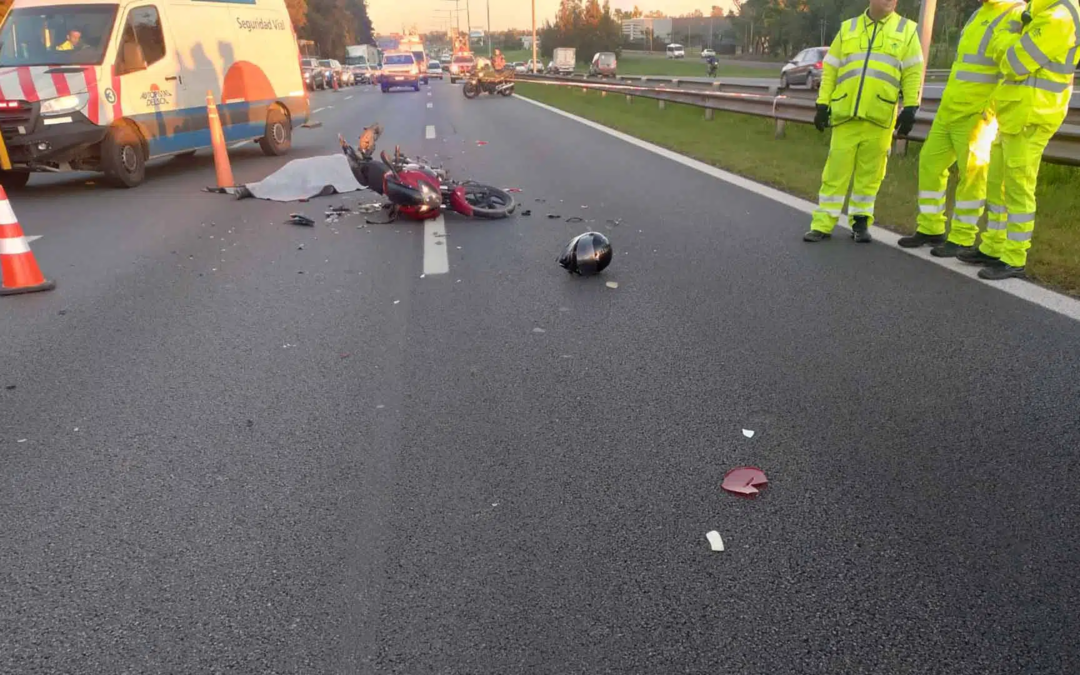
(612, 284)
(747, 433)
(539, 330)
(396, 301)
(715, 541)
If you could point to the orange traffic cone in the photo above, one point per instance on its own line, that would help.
(19, 272)
(217, 142)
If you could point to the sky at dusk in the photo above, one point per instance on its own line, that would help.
(389, 15)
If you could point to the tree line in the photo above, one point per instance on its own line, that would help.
(332, 24)
(587, 26)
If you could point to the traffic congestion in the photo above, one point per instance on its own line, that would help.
(342, 339)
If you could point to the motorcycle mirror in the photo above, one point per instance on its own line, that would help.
(387, 162)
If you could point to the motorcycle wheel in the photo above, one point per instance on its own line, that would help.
(488, 202)
(509, 91)
(470, 90)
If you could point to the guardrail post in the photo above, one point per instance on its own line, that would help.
(780, 128)
(675, 83)
(603, 93)
(709, 112)
(662, 106)
(629, 98)
(901, 147)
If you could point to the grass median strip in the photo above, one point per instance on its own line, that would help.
(746, 145)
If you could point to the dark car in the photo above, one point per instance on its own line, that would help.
(314, 75)
(604, 64)
(804, 69)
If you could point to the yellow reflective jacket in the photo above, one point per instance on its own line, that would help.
(869, 64)
(975, 74)
(1038, 68)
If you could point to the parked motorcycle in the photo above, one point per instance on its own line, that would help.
(475, 85)
(418, 191)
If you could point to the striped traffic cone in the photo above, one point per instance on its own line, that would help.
(19, 272)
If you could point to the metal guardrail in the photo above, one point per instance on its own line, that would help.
(782, 105)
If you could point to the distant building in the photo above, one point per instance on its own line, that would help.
(638, 29)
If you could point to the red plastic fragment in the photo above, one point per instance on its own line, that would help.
(481, 142)
(744, 481)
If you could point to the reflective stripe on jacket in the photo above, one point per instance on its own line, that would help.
(975, 74)
(868, 65)
(1039, 67)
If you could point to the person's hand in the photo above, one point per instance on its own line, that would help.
(905, 121)
(821, 117)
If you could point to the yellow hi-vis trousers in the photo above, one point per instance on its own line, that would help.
(966, 142)
(1010, 194)
(859, 150)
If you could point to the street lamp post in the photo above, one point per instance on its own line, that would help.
(489, 27)
(534, 64)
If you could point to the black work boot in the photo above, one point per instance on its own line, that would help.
(1001, 271)
(816, 235)
(973, 256)
(860, 230)
(921, 239)
(949, 250)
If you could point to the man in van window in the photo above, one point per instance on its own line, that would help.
(72, 42)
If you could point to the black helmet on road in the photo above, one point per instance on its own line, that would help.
(587, 254)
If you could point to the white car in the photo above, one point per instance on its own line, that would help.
(520, 68)
(434, 69)
(706, 53)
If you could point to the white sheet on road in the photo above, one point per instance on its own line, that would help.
(304, 179)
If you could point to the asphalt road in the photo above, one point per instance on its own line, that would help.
(232, 445)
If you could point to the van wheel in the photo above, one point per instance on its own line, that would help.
(14, 180)
(123, 158)
(278, 136)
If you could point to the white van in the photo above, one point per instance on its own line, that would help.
(676, 52)
(107, 86)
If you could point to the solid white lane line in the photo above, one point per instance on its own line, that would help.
(1019, 288)
(436, 260)
(239, 143)
(317, 110)
(429, 133)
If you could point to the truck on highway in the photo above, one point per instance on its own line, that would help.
(86, 86)
(565, 60)
(362, 55)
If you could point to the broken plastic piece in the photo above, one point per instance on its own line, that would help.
(527, 212)
(512, 189)
(575, 219)
(481, 142)
(612, 284)
(748, 433)
(744, 481)
(300, 219)
(715, 541)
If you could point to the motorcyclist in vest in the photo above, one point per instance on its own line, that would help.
(1038, 67)
(874, 58)
(962, 132)
(712, 65)
(499, 61)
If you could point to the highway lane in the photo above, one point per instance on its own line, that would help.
(512, 470)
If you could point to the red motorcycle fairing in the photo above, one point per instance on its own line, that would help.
(415, 193)
(459, 203)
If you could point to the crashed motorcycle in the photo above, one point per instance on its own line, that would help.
(476, 85)
(415, 189)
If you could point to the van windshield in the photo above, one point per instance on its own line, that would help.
(56, 35)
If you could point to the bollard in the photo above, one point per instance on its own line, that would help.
(629, 98)
(217, 140)
(662, 106)
(603, 93)
(708, 113)
(780, 126)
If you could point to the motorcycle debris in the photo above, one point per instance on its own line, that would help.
(512, 189)
(614, 221)
(575, 219)
(481, 142)
(300, 219)
(526, 212)
(554, 216)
